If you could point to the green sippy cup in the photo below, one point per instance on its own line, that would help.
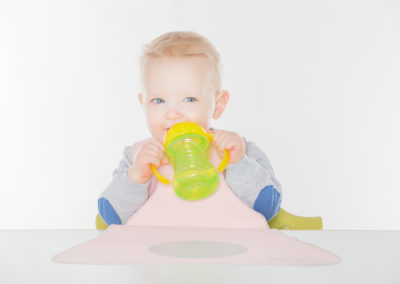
(187, 148)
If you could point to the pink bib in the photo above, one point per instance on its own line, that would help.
(223, 209)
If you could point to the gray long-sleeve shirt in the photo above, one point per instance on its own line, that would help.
(246, 178)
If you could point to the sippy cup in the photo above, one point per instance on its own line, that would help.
(187, 148)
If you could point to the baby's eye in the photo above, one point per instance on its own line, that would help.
(158, 101)
(190, 99)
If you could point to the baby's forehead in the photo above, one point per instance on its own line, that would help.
(177, 75)
(198, 65)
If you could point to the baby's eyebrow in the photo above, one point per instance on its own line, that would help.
(192, 95)
(153, 96)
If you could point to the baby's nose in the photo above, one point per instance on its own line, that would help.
(173, 114)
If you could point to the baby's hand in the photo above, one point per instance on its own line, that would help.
(150, 153)
(231, 141)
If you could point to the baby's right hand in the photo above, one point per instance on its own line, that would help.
(150, 153)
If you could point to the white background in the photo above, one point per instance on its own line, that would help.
(316, 84)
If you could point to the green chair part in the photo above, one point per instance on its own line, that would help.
(100, 224)
(287, 221)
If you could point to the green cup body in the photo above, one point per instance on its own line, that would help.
(194, 176)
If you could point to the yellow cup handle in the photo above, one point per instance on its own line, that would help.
(159, 176)
(225, 160)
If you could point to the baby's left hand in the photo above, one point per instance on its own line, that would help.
(231, 141)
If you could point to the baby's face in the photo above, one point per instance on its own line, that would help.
(176, 90)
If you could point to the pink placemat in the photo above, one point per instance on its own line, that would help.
(121, 244)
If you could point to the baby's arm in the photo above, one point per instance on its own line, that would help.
(123, 196)
(253, 180)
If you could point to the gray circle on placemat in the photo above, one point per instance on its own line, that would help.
(197, 249)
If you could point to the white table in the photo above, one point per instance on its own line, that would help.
(367, 257)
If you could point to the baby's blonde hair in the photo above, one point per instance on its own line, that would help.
(183, 44)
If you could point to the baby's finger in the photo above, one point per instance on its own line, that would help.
(220, 152)
(218, 134)
(155, 152)
(155, 148)
(221, 142)
(229, 142)
(153, 160)
(158, 145)
(164, 161)
(217, 138)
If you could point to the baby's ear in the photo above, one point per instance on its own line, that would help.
(140, 97)
(221, 101)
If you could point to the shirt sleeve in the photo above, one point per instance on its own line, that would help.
(122, 197)
(253, 178)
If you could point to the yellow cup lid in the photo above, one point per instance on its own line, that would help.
(183, 128)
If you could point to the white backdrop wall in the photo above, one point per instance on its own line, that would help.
(314, 83)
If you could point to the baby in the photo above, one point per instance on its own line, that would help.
(181, 81)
